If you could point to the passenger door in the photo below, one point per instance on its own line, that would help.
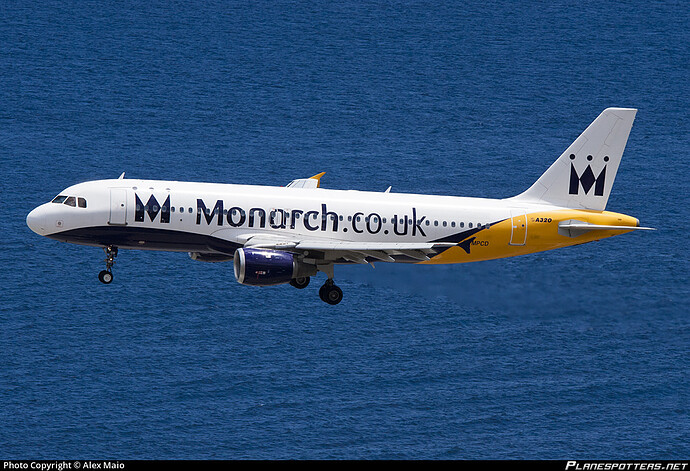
(118, 206)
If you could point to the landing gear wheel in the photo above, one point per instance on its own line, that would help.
(105, 277)
(300, 283)
(330, 293)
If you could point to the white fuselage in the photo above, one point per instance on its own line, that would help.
(233, 213)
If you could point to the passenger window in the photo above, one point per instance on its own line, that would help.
(71, 201)
(59, 199)
(81, 202)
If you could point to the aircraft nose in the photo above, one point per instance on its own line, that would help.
(36, 220)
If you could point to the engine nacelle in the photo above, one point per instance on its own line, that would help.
(265, 267)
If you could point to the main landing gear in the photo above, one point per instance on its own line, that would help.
(106, 276)
(300, 283)
(329, 292)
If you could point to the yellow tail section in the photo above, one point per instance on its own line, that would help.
(535, 232)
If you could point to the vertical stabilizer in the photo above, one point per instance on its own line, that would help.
(583, 175)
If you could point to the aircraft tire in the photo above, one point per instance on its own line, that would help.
(331, 294)
(300, 283)
(105, 277)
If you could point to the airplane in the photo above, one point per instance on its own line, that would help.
(280, 235)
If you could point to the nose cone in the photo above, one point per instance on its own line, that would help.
(36, 220)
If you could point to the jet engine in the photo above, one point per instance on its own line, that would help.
(265, 267)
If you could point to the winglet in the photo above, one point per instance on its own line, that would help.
(311, 182)
(122, 175)
(317, 177)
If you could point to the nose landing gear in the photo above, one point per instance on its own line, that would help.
(106, 276)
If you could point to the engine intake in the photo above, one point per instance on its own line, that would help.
(265, 267)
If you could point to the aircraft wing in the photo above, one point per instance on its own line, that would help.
(356, 252)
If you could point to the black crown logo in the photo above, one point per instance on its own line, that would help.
(587, 179)
(152, 208)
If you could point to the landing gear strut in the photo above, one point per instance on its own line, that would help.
(106, 276)
(330, 293)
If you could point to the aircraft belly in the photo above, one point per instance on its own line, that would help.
(142, 238)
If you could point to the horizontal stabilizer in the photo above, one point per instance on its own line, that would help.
(573, 228)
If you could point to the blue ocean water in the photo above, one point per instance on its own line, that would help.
(575, 353)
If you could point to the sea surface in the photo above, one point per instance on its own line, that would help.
(582, 352)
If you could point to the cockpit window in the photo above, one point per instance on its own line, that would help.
(81, 202)
(59, 199)
(71, 201)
